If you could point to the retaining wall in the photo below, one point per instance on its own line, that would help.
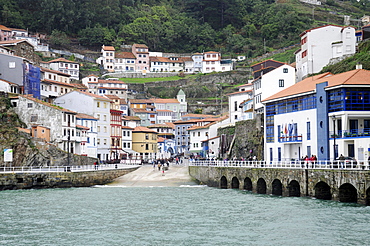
(13, 181)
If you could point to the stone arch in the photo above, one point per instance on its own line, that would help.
(367, 198)
(261, 186)
(170, 150)
(322, 191)
(347, 193)
(277, 188)
(235, 183)
(248, 184)
(223, 183)
(294, 189)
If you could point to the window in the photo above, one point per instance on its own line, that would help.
(281, 83)
(11, 64)
(285, 70)
(308, 130)
(235, 106)
(98, 104)
(29, 105)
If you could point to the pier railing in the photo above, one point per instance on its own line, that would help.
(83, 168)
(349, 165)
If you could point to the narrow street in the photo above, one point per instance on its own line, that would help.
(147, 176)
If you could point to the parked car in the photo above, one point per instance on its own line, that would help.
(348, 162)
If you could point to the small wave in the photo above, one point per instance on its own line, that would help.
(109, 186)
(194, 186)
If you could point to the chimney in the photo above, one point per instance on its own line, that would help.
(358, 66)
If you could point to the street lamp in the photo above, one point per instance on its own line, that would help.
(68, 140)
(334, 135)
(116, 149)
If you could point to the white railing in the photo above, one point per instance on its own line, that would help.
(100, 167)
(349, 165)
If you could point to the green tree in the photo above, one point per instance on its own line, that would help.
(97, 36)
(59, 38)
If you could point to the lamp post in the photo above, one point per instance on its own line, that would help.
(334, 135)
(116, 149)
(68, 140)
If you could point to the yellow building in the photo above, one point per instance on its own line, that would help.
(144, 141)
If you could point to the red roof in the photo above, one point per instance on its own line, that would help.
(108, 48)
(62, 60)
(125, 55)
(143, 129)
(359, 77)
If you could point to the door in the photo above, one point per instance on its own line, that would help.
(353, 126)
(271, 156)
(351, 150)
(279, 154)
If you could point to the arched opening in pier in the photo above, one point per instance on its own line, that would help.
(322, 191)
(277, 188)
(294, 189)
(223, 183)
(248, 184)
(235, 183)
(347, 193)
(367, 201)
(261, 186)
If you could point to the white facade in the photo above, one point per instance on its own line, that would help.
(107, 58)
(90, 146)
(296, 124)
(272, 82)
(211, 62)
(9, 87)
(198, 62)
(96, 106)
(322, 44)
(236, 99)
(66, 66)
(127, 138)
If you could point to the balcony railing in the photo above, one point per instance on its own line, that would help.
(354, 133)
(286, 139)
(292, 164)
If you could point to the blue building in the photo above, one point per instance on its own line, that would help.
(326, 115)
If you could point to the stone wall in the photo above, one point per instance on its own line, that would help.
(306, 179)
(248, 138)
(13, 181)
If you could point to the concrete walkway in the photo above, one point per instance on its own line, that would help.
(146, 176)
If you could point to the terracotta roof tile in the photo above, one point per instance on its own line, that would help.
(125, 55)
(358, 77)
(143, 129)
(85, 116)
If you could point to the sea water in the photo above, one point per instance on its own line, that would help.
(188, 215)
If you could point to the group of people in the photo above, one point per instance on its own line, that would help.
(313, 158)
(161, 164)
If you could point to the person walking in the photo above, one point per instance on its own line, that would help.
(341, 161)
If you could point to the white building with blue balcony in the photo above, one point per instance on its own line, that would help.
(326, 115)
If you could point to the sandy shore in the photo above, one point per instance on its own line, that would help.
(146, 176)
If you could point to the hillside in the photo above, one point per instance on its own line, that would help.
(249, 27)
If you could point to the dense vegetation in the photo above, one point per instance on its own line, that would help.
(250, 27)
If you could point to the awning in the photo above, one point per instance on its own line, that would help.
(130, 151)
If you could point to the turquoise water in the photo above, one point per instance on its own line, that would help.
(194, 215)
